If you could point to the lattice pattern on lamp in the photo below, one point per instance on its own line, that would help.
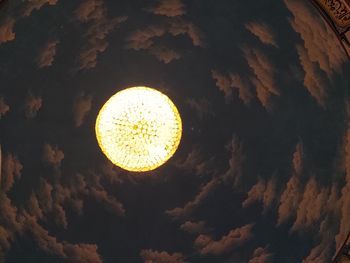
(139, 129)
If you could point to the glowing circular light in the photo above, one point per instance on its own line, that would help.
(139, 129)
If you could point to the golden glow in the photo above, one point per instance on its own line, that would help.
(139, 129)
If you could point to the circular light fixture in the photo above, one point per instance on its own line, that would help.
(138, 129)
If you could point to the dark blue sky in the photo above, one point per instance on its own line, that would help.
(262, 173)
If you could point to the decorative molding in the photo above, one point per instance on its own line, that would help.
(338, 10)
(343, 255)
(337, 14)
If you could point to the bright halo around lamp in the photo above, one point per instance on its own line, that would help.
(139, 129)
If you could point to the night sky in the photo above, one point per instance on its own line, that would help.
(262, 173)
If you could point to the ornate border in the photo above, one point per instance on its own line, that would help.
(344, 252)
(338, 10)
(337, 14)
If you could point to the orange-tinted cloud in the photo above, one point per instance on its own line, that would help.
(60, 217)
(6, 30)
(5, 243)
(261, 255)
(194, 227)
(49, 200)
(323, 249)
(89, 10)
(234, 239)
(270, 194)
(81, 107)
(89, 54)
(52, 155)
(319, 254)
(44, 194)
(311, 206)
(255, 194)
(146, 38)
(192, 160)
(321, 54)
(66, 251)
(165, 54)
(228, 83)
(298, 159)
(263, 32)
(9, 215)
(11, 169)
(196, 162)
(315, 80)
(264, 74)
(48, 204)
(32, 5)
(152, 256)
(111, 173)
(180, 26)
(41, 236)
(289, 200)
(34, 207)
(71, 196)
(32, 105)
(236, 163)
(263, 79)
(55, 198)
(183, 212)
(25, 221)
(109, 202)
(320, 42)
(264, 192)
(292, 194)
(83, 253)
(4, 107)
(344, 227)
(9, 226)
(168, 8)
(99, 26)
(47, 54)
